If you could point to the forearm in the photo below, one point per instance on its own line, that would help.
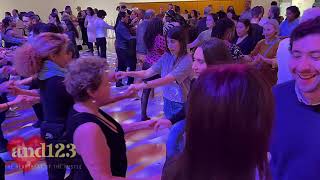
(272, 61)
(195, 43)
(138, 74)
(33, 92)
(159, 82)
(26, 81)
(127, 128)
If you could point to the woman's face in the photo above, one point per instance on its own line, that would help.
(269, 31)
(173, 46)
(102, 94)
(210, 22)
(199, 64)
(241, 29)
(290, 15)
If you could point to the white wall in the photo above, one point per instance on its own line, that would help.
(43, 7)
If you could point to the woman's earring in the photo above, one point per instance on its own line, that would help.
(94, 101)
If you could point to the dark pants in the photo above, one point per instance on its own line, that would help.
(90, 46)
(2, 169)
(102, 46)
(3, 141)
(84, 35)
(37, 108)
(57, 167)
(146, 92)
(124, 61)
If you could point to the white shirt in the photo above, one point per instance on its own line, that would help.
(284, 56)
(101, 28)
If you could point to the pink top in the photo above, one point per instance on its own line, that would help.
(157, 50)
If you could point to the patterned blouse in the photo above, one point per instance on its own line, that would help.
(236, 52)
(157, 50)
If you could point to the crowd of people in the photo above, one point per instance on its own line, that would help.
(241, 92)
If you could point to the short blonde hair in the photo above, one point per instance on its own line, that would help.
(28, 59)
(274, 23)
(84, 74)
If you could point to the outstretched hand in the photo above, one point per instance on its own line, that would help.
(120, 75)
(161, 124)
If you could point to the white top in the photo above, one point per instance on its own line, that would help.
(101, 28)
(91, 29)
(284, 56)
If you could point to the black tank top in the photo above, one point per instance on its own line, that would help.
(115, 140)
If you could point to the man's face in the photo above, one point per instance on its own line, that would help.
(305, 63)
(27, 23)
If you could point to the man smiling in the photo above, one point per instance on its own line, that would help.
(295, 143)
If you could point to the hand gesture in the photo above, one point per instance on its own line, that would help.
(14, 90)
(137, 87)
(6, 86)
(162, 124)
(130, 92)
(23, 101)
(120, 75)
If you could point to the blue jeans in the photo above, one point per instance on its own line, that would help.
(175, 142)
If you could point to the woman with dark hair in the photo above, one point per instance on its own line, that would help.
(194, 18)
(232, 142)
(81, 19)
(101, 33)
(54, 19)
(91, 30)
(291, 22)
(244, 39)
(72, 33)
(210, 53)
(205, 35)
(8, 26)
(231, 10)
(175, 67)
(54, 11)
(274, 13)
(156, 45)
(225, 30)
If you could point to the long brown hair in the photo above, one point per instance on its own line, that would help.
(229, 122)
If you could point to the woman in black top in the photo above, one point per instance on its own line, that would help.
(46, 55)
(244, 39)
(98, 138)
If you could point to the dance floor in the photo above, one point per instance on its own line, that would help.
(145, 148)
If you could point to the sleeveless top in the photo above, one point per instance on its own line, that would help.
(115, 141)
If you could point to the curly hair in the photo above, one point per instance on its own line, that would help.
(84, 74)
(28, 59)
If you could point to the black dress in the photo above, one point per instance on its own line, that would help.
(115, 140)
(247, 45)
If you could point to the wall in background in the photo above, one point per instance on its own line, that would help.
(41, 7)
(190, 5)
